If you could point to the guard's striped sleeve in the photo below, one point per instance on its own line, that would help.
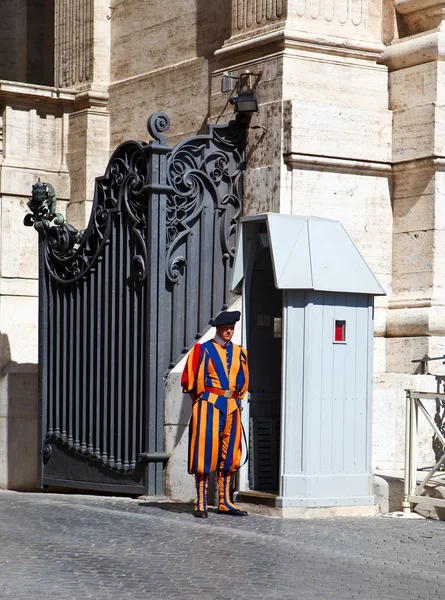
(190, 373)
(244, 368)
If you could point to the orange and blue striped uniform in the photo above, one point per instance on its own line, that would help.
(215, 434)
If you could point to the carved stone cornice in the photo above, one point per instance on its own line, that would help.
(262, 28)
(282, 39)
(248, 15)
(38, 93)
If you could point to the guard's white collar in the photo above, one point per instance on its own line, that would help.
(220, 341)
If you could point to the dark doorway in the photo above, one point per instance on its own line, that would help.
(264, 345)
(27, 41)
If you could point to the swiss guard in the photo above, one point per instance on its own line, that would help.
(216, 377)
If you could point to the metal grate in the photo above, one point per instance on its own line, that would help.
(264, 437)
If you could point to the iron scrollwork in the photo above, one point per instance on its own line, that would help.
(206, 168)
(69, 253)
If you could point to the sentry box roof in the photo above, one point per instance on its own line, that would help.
(307, 253)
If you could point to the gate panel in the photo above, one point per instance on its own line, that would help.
(203, 210)
(121, 302)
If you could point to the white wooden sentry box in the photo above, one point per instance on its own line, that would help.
(327, 347)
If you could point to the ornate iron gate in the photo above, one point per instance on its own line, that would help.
(121, 302)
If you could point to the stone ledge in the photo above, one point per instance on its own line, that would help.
(19, 287)
(282, 39)
(414, 50)
(293, 512)
(344, 165)
(389, 491)
(14, 89)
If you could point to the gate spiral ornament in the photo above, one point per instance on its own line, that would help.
(69, 253)
(204, 171)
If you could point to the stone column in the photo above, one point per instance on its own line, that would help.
(82, 63)
(322, 143)
(416, 317)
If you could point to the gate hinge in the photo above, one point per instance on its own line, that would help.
(154, 456)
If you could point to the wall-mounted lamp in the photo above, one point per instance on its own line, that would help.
(243, 95)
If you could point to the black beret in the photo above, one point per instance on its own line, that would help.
(226, 318)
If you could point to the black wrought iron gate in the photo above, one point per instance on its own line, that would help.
(121, 302)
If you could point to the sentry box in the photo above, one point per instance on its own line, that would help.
(308, 327)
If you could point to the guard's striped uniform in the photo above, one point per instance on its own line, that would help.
(215, 435)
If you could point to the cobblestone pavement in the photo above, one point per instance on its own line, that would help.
(76, 547)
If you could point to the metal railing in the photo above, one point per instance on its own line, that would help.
(415, 404)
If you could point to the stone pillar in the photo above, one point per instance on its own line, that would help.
(321, 142)
(33, 141)
(82, 64)
(416, 317)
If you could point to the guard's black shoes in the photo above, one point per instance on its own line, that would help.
(200, 514)
(235, 512)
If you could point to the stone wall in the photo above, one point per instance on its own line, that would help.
(162, 59)
(33, 137)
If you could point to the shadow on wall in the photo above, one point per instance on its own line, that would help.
(213, 28)
(18, 421)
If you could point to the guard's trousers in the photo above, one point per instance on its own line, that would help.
(215, 440)
(215, 444)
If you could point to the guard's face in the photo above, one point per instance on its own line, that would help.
(226, 332)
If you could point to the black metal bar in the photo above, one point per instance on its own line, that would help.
(91, 387)
(204, 274)
(122, 488)
(163, 357)
(426, 358)
(51, 325)
(112, 378)
(108, 318)
(120, 343)
(143, 345)
(98, 355)
(55, 360)
(154, 456)
(214, 303)
(133, 342)
(43, 358)
(152, 308)
(126, 429)
(77, 367)
(84, 382)
(71, 362)
(64, 358)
